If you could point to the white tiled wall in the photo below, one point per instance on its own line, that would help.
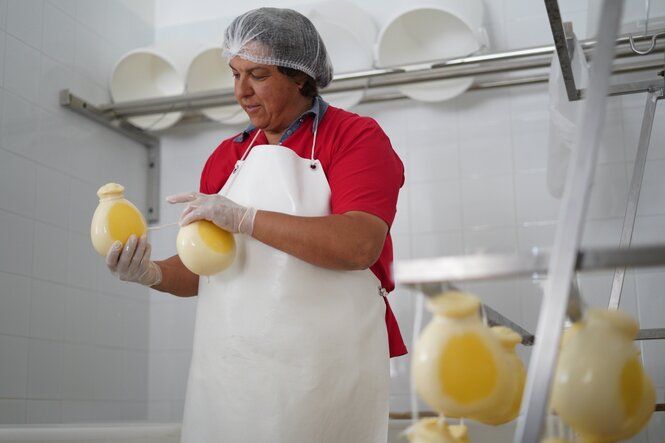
(77, 345)
(73, 341)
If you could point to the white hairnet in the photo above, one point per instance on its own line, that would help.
(280, 37)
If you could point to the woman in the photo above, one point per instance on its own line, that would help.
(292, 342)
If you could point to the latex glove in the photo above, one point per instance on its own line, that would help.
(132, 263)
(218, 209)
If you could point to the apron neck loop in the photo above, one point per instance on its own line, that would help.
(312, 162)
(244, 155)
(258, 131)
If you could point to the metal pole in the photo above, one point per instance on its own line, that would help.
(634, 194)
(573, 209)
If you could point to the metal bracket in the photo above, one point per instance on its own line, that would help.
(152, 143)
(561, 43)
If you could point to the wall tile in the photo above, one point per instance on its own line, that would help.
(430, 163)
(490, 241)
(534, 29)
(19, 120)
(484, 156)
(81, 260)
(654, 360)
(25, 21)
(3, 38)
(601, 233)
(49, 249)
(22, 68)
(66, 6)
(135, 384)
(17, 173)
(56, 138)
(401, 246)
(539, 236)
(652, 198)
(108, 374)
(160, 379)
(612, 148)
(402, 222)
(52, 202)
(15, 302)
(12, 411)
(45, 369)
(78, 411)
(608, 193)
(88, 56)
(13, 366)
(47, 310)
(137, 325)
(82, 205)
(435, 207)
(54, 77)
(60, 34)
(437, 244)
(632, 124)
(488, 202)
(3, 13)
(649, 230)
(92, 15)
(79, 368)
(16, 235)
(81, 323)
(529, 109)
(483, 113)
(530, 150)
(109, 322)
(650, 301)
(44, 411)
(534, 202)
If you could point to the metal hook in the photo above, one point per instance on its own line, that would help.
(651, 47)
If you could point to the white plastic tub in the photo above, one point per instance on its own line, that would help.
(209, 71)
(151, 72)
(431, 31)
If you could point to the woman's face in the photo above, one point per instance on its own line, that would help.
(271, 99)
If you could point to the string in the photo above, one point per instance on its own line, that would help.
(168, 225)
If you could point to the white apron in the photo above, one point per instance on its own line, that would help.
(285, 351)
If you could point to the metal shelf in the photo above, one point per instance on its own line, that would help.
(478, 267)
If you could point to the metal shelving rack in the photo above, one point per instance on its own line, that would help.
(561, 298)
(492, 70)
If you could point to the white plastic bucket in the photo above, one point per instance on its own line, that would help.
(150, 72)
(349, 34)
(433, 31)
(209, 70)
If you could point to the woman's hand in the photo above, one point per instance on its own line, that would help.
(132, 262)
(218, 209)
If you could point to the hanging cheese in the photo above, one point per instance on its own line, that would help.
(600, 388)
(459, 366)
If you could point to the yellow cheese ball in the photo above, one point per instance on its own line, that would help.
(115, 218)
(205, 248)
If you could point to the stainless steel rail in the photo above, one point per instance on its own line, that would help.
(478, 65)
(451, 269)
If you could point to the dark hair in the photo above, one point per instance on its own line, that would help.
(309, 89)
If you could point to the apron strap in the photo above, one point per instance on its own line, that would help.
(244, 155)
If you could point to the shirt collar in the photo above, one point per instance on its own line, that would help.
(318, 109)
